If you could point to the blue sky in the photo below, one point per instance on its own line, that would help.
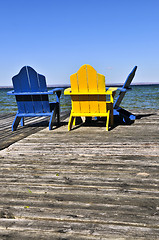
(56, 37)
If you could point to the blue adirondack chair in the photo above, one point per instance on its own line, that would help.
(125, 115)
(31, 95)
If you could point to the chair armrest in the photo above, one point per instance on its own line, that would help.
(67, 91)
(121, 89)
(26, 93)
(35, 93)
(110, 91)
(124, 89)
(54, 90)
(10, 92)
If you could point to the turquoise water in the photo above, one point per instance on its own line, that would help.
(140, 97)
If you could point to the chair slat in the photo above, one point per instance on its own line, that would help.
(92, 79)
(101, 83)
(82, 79)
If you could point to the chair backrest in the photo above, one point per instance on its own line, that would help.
(126, 86)
(27, 82)
(87, 80)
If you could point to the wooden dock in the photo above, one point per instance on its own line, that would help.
(82, 184)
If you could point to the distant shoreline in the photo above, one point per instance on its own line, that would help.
(107, 85)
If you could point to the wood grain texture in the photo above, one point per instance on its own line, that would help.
(83, 184)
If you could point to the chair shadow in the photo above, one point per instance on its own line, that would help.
(56, 126)
(118, 121)
(89, 123)
(139, 116)
(94, 123)
(45, 123)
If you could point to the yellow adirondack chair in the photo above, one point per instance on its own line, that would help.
(88, 95)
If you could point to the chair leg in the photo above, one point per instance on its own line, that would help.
(58, 113)
(74, 121)
(22, 121)
(58, 94)
(107, 122)
(70, 123)
(16, 122)
(111, 118)
(52, 118)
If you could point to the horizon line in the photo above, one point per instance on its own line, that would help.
(109, 84)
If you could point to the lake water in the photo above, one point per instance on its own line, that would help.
(140, 97)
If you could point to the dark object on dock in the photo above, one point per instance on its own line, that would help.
(118, 111)
(32, 99)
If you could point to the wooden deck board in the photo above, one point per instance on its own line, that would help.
(82, 184)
